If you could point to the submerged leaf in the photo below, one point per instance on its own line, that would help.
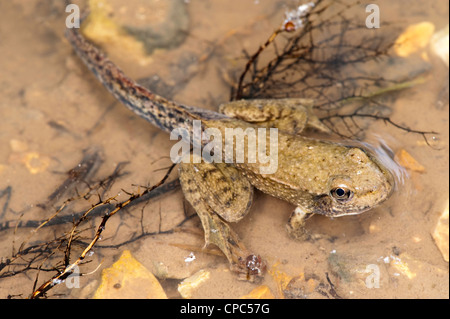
(127, 278)
(414, 38)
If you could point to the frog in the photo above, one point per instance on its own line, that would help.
(317, 176)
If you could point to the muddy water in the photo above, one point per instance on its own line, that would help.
(52, 109)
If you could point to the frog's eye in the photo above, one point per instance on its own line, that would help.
(341, 193)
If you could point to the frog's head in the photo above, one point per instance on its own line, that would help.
(356, 190)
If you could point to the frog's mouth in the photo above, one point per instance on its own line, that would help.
(325, 205)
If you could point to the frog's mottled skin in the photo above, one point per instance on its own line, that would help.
(308, 169)
(318, 177)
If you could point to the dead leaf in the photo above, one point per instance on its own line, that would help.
(415, 38)
(407, 161)
(127, 278)
(260, 292)
(281, 278)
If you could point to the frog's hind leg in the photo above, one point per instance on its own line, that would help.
(291, 115)
(219, 193)
(222, 186)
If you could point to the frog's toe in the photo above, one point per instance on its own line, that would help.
(301, 234)
(296, 225)
(251, 268)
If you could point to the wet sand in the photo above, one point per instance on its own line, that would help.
(52, 109)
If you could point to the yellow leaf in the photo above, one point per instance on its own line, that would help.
(407, 161)
(127, 278)
(281, 278)
(414, 38)
(311, 285)
(260, 292)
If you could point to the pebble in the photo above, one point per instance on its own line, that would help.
(132, 30)
(36, 163)
(439, 44)
(440, 233)
(187, 287)
(18, 145)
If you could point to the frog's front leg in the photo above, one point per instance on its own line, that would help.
(296, 224)
(220, 194)
(290, 115)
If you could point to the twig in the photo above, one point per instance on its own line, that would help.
(379, 118)
(68, 270)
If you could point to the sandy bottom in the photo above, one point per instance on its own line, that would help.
(52, 109)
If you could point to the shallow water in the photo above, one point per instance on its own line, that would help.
(52, 109)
